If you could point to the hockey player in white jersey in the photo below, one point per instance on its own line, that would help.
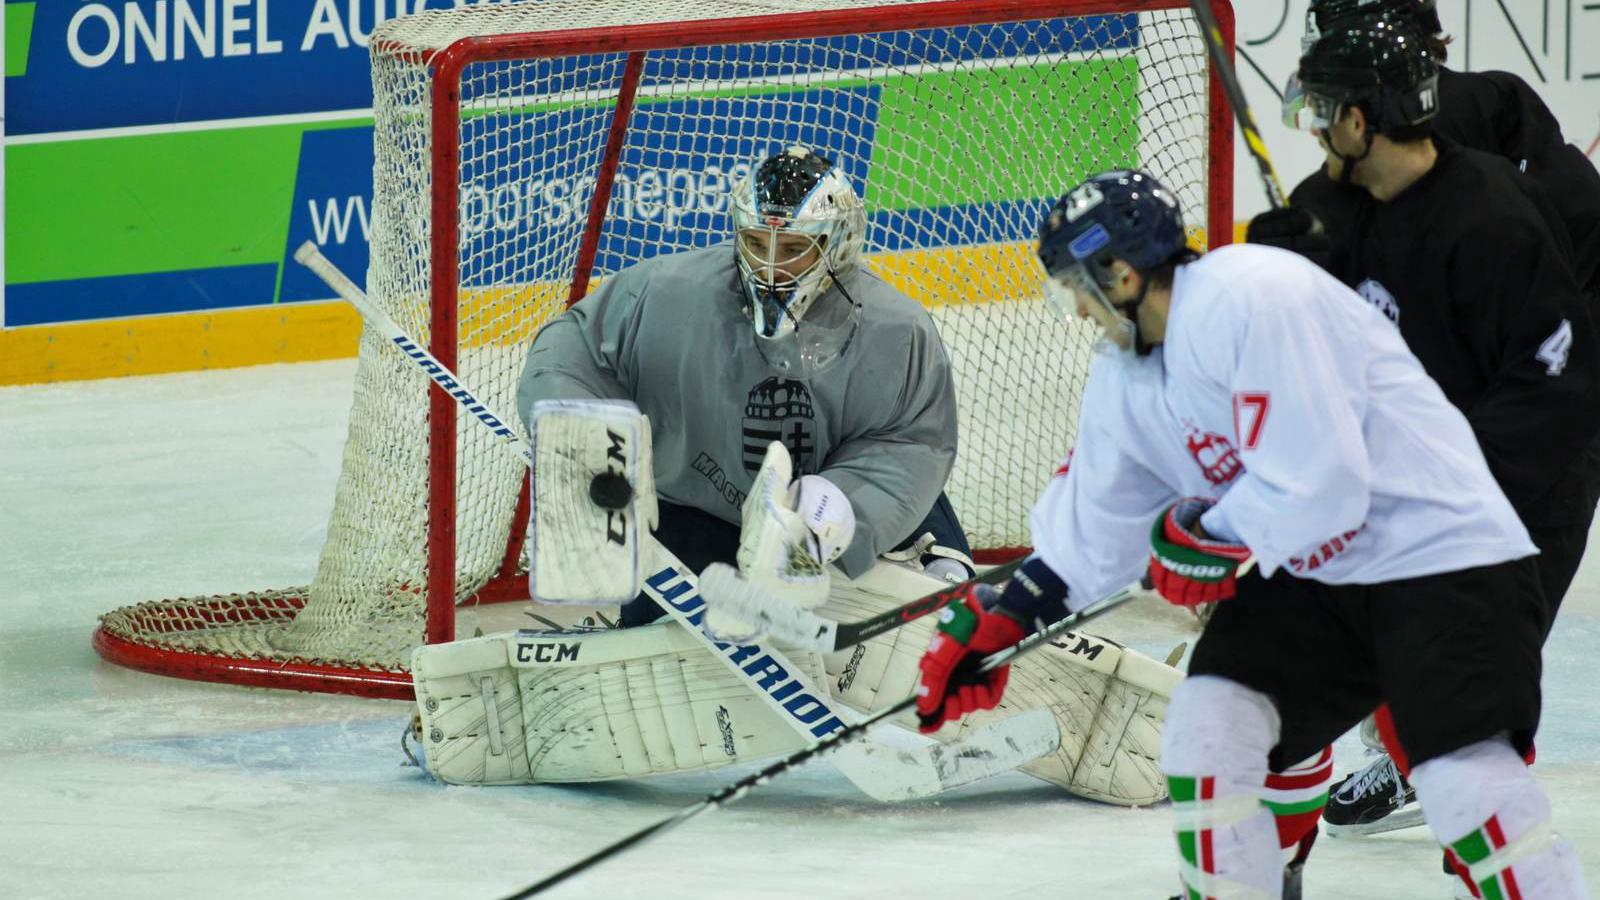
(803, 414)
(1253, 408)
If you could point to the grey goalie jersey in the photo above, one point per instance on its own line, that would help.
(671, 335)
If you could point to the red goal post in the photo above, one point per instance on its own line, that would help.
(518, 159)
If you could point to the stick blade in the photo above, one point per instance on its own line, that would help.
(891, 775)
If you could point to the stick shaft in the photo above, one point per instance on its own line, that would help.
(852, 633)
(309, 256)
(1229, 79)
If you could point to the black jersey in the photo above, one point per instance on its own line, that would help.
(1498, 113)
(1470, 268)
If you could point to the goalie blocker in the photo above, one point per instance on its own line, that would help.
(593, 501)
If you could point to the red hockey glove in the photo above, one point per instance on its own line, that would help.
(1186, 568)
(950, 686)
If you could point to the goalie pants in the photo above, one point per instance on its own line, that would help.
(699, 539)
(1456, 655)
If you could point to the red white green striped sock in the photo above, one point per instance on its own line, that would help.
(1297, 795)
(1199, 813)
(1478, 846)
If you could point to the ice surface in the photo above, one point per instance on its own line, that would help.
(119, 784)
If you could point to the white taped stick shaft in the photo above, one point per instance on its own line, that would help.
(309, 256)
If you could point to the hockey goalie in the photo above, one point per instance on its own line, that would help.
(770, 403)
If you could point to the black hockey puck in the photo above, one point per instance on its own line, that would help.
(610, 490)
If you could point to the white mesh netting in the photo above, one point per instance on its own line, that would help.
(957, 137)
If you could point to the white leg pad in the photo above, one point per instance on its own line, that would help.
(1109, 701)
(1482, 802)
(1214, 751)
(527, 707)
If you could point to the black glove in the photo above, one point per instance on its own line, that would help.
(1292, 228)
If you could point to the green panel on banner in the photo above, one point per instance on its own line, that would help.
(150, 203)
(1062, 127)
(19, 33)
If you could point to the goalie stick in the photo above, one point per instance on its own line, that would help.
(833, 741)
(792, 626)
(883, 773)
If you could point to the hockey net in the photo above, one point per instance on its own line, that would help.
(526, 151)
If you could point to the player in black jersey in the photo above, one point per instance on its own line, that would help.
(1496, 112)
(1466, 254)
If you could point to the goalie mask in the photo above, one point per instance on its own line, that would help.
(1122, 214)
(798, 228)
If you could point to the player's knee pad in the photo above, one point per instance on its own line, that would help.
(1219, 727)
(1109, 701)
(1485, 807)
(579, 706)
(1214, 752)
(1296, 797)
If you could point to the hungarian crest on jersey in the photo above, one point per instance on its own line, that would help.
(779, 409)
(1214, 454)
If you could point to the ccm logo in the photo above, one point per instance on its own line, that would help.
(547, 652)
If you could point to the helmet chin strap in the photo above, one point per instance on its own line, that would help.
(1348, 161)
(1131, 310)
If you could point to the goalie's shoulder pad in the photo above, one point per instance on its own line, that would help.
(574, 706)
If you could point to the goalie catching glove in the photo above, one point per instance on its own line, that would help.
(1187, 566)
(792, 530)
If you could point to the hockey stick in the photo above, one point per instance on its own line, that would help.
(881, 773)
(1241, 107)
(739, 788)
(792, 626)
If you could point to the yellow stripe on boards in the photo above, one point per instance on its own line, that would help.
(302, 332)
(184, 342)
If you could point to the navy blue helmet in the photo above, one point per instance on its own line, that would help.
(1123, 214)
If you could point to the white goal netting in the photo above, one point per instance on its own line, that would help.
(957, 134)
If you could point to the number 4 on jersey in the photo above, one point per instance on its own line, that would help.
(1553, 352)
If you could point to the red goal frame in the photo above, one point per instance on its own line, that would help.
(636, 41)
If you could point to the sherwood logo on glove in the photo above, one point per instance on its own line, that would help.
(1192, 570)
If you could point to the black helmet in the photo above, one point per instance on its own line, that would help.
(1378, 64)
(1323, 16)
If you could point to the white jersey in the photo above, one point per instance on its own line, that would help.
(1283, 396)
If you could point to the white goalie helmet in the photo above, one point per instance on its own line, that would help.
(798, 228)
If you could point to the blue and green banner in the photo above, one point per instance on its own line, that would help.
(166, 156)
